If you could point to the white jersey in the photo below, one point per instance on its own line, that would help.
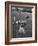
(21, 30)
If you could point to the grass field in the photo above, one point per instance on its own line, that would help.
(26, 17)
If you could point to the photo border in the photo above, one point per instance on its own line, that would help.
(7, 22)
